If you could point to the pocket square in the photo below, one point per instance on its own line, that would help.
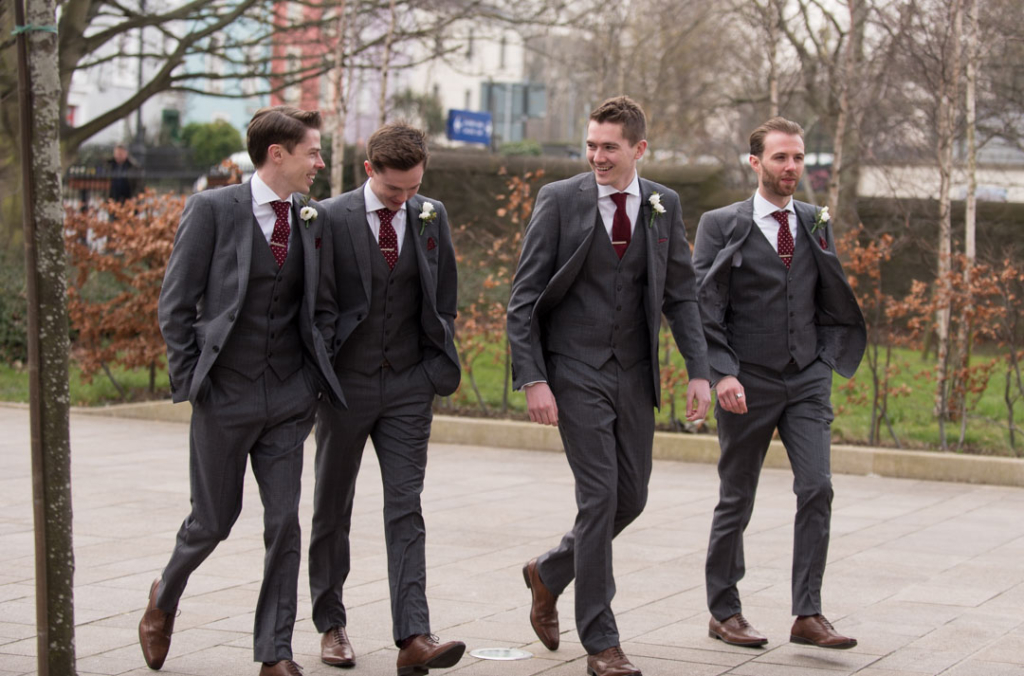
(431, 245)
(824, 244)
(662, 240)
(317, 243)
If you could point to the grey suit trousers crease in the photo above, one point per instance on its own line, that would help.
(394, 411)
(606, 420)
(267, 420)
(799, 405)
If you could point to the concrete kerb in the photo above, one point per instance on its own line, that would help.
(858, 460)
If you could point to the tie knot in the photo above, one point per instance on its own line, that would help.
(620, 199)
(385, 215)
(280, 208)
(782, 217)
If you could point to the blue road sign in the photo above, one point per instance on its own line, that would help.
(466, 125)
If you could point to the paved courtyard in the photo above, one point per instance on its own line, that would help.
(928, 576)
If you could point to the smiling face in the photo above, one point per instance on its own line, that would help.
(394, 187)
(610, 154)
(779, 167)
(292, 171)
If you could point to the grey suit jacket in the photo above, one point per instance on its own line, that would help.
(842, 335)
(348, 245)
(206, 280)
(555, 246)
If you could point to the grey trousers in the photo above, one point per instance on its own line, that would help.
(798, 404)
(267, 420)
(394, 410)
(606, 420)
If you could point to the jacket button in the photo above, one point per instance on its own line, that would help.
(231, 317)
(359, 318)
(216, 348)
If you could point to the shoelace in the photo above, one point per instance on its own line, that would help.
(618, 652)
(826, 623)
(742, 621)
(293, 669)
(339, 635)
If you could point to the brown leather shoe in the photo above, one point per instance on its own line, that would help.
(335, 648)
(420, 654)
(155, 629)
(816, 630)
(736, 630)
(611, 662)
(543, 612)
(282, 668)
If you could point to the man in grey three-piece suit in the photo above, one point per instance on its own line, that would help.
(779, 317)
(605, 254)
(237, 311)
(390, 260)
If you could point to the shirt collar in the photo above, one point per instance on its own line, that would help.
(373, 203)
(632, 189)
(763, 207)
(261, 192)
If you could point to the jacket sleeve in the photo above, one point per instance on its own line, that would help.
(181, 294)
(713, 298)
(537, 264)
(325, 317)
(679, 302)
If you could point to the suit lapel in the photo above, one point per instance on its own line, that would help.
(428, 279)
(244, 219)
(359, 231)
(586, 208)
(309, 257)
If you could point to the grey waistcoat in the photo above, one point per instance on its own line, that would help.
(391, 331)
(266, 331)
(770, 319)
(602, 314)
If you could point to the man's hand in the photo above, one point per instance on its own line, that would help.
(698, 399)
(731, 395)
(541, 404)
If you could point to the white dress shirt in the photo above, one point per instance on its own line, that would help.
(763, 210)
(262, 196)
(397, 221)
(606, 205)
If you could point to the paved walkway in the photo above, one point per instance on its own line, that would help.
(928, 576)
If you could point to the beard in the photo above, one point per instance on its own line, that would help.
(773, 183)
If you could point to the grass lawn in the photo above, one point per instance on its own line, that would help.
(910, 414)
(14, 385)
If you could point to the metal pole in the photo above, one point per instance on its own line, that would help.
(35, 385)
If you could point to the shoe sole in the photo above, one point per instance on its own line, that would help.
(751, 644)
(591, 672)
(837, 646)
(344, 664)
(448, 658)
(526, 578)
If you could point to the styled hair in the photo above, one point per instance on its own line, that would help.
(397, 146)
(775, 124)
(625, 111)
(281, 125)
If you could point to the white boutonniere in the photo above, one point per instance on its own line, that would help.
(821, 220)
(657, 209)
(426, 216)
(307, 214)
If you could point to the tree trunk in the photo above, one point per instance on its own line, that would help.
(340, 104)
(39, 95)
(947, 130)
(385, 67)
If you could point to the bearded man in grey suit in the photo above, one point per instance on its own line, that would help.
(391, 263)
(237, 310)
(779, 317)
(605, 254)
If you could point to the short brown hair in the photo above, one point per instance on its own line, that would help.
(282, 125)
(625, 111)
(775, 124)
(397, 146)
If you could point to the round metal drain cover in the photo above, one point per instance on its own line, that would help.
(501, 654)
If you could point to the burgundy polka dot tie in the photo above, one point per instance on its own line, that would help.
(388, 237)
(279, 238)
(785, 237)
(620, 224)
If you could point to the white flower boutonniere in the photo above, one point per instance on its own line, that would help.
(657, 208)
(426, 216)
(821, 220)
(307, 214)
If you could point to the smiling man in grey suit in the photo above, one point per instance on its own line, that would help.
(605, 254)
(237, 311)
(391, 262)
(779, 317)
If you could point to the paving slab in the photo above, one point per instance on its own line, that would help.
(926, 574)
